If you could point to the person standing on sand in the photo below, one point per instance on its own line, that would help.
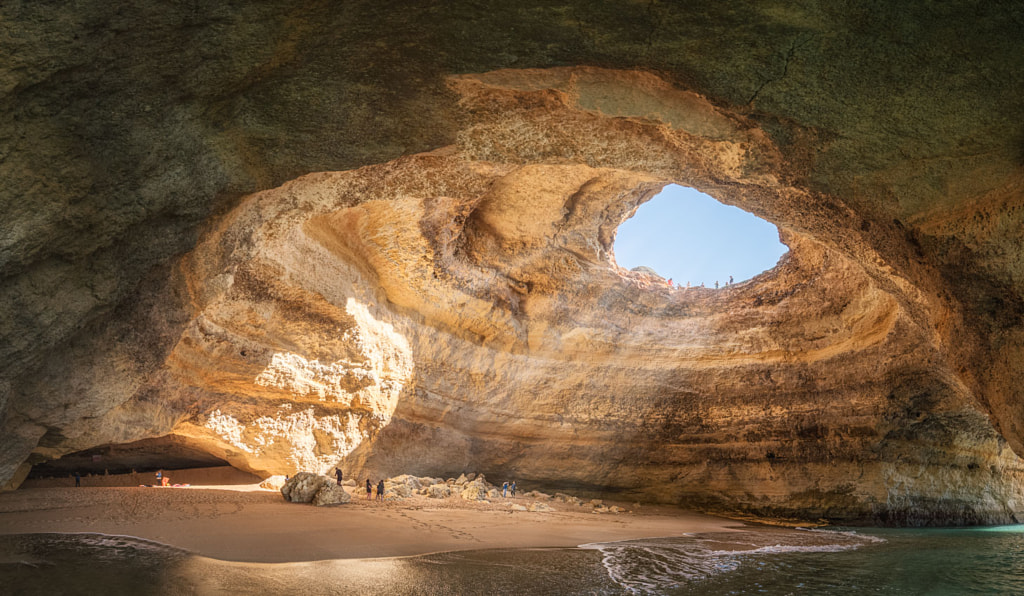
(337, 473)
(380, 490)
(369, 489)
(504, 489)
(513, 488)
(159, 478)
(78, 479)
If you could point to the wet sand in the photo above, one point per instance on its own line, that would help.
(241, 522)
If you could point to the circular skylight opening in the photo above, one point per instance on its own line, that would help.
(686, 236)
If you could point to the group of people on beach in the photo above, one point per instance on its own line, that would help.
(369, 485)
(380, 489)
(507, 488)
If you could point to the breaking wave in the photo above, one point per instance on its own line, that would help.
(653, 566)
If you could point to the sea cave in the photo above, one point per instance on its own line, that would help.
(381, 239)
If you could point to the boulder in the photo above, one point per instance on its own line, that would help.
(474, 492)
(349, 482)
(517, 507)
(462, 479)
(540, 507)
(331, 494)
(439, 491)
(596, 502)
(493, 493)
(303, 486)
(426, 481)
(616, 509)
(471, 477)
(411, 481)
(399, 490)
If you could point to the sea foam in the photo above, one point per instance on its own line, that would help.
(652, 566)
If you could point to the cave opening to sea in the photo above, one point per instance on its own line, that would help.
(688, 237)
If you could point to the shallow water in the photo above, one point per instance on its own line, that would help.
(753, 561)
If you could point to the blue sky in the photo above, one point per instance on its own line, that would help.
(686, 235)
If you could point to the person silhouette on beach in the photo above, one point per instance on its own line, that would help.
(78, 479)
(380, 490)
(337, 472)
(369, 489)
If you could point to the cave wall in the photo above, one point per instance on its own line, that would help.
(884, 140)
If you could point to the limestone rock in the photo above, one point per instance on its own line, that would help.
(569, 499)
(517, 507)
(474, 492)
(399, 490)
(439, 491)
(540, 507)
(331, 494)
(303, 486)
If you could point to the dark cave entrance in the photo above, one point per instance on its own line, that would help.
(148, 455)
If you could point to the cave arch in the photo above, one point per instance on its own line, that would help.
(466, 299)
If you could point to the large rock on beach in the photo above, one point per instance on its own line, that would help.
(439, 491)
(398, 490)
(303, 486)
(331, 494)
(474, 492)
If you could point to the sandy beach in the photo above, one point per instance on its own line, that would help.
(219, 518)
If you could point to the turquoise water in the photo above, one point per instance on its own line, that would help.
(761, 561)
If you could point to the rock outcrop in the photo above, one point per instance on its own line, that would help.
(308, 487)
(331, 494)
(439, 289)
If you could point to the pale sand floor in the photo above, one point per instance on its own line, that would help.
(246, 523)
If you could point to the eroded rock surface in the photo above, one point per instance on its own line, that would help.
(442, 295)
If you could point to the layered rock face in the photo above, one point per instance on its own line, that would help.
(461, 308)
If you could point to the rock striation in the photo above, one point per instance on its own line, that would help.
(441, 292)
